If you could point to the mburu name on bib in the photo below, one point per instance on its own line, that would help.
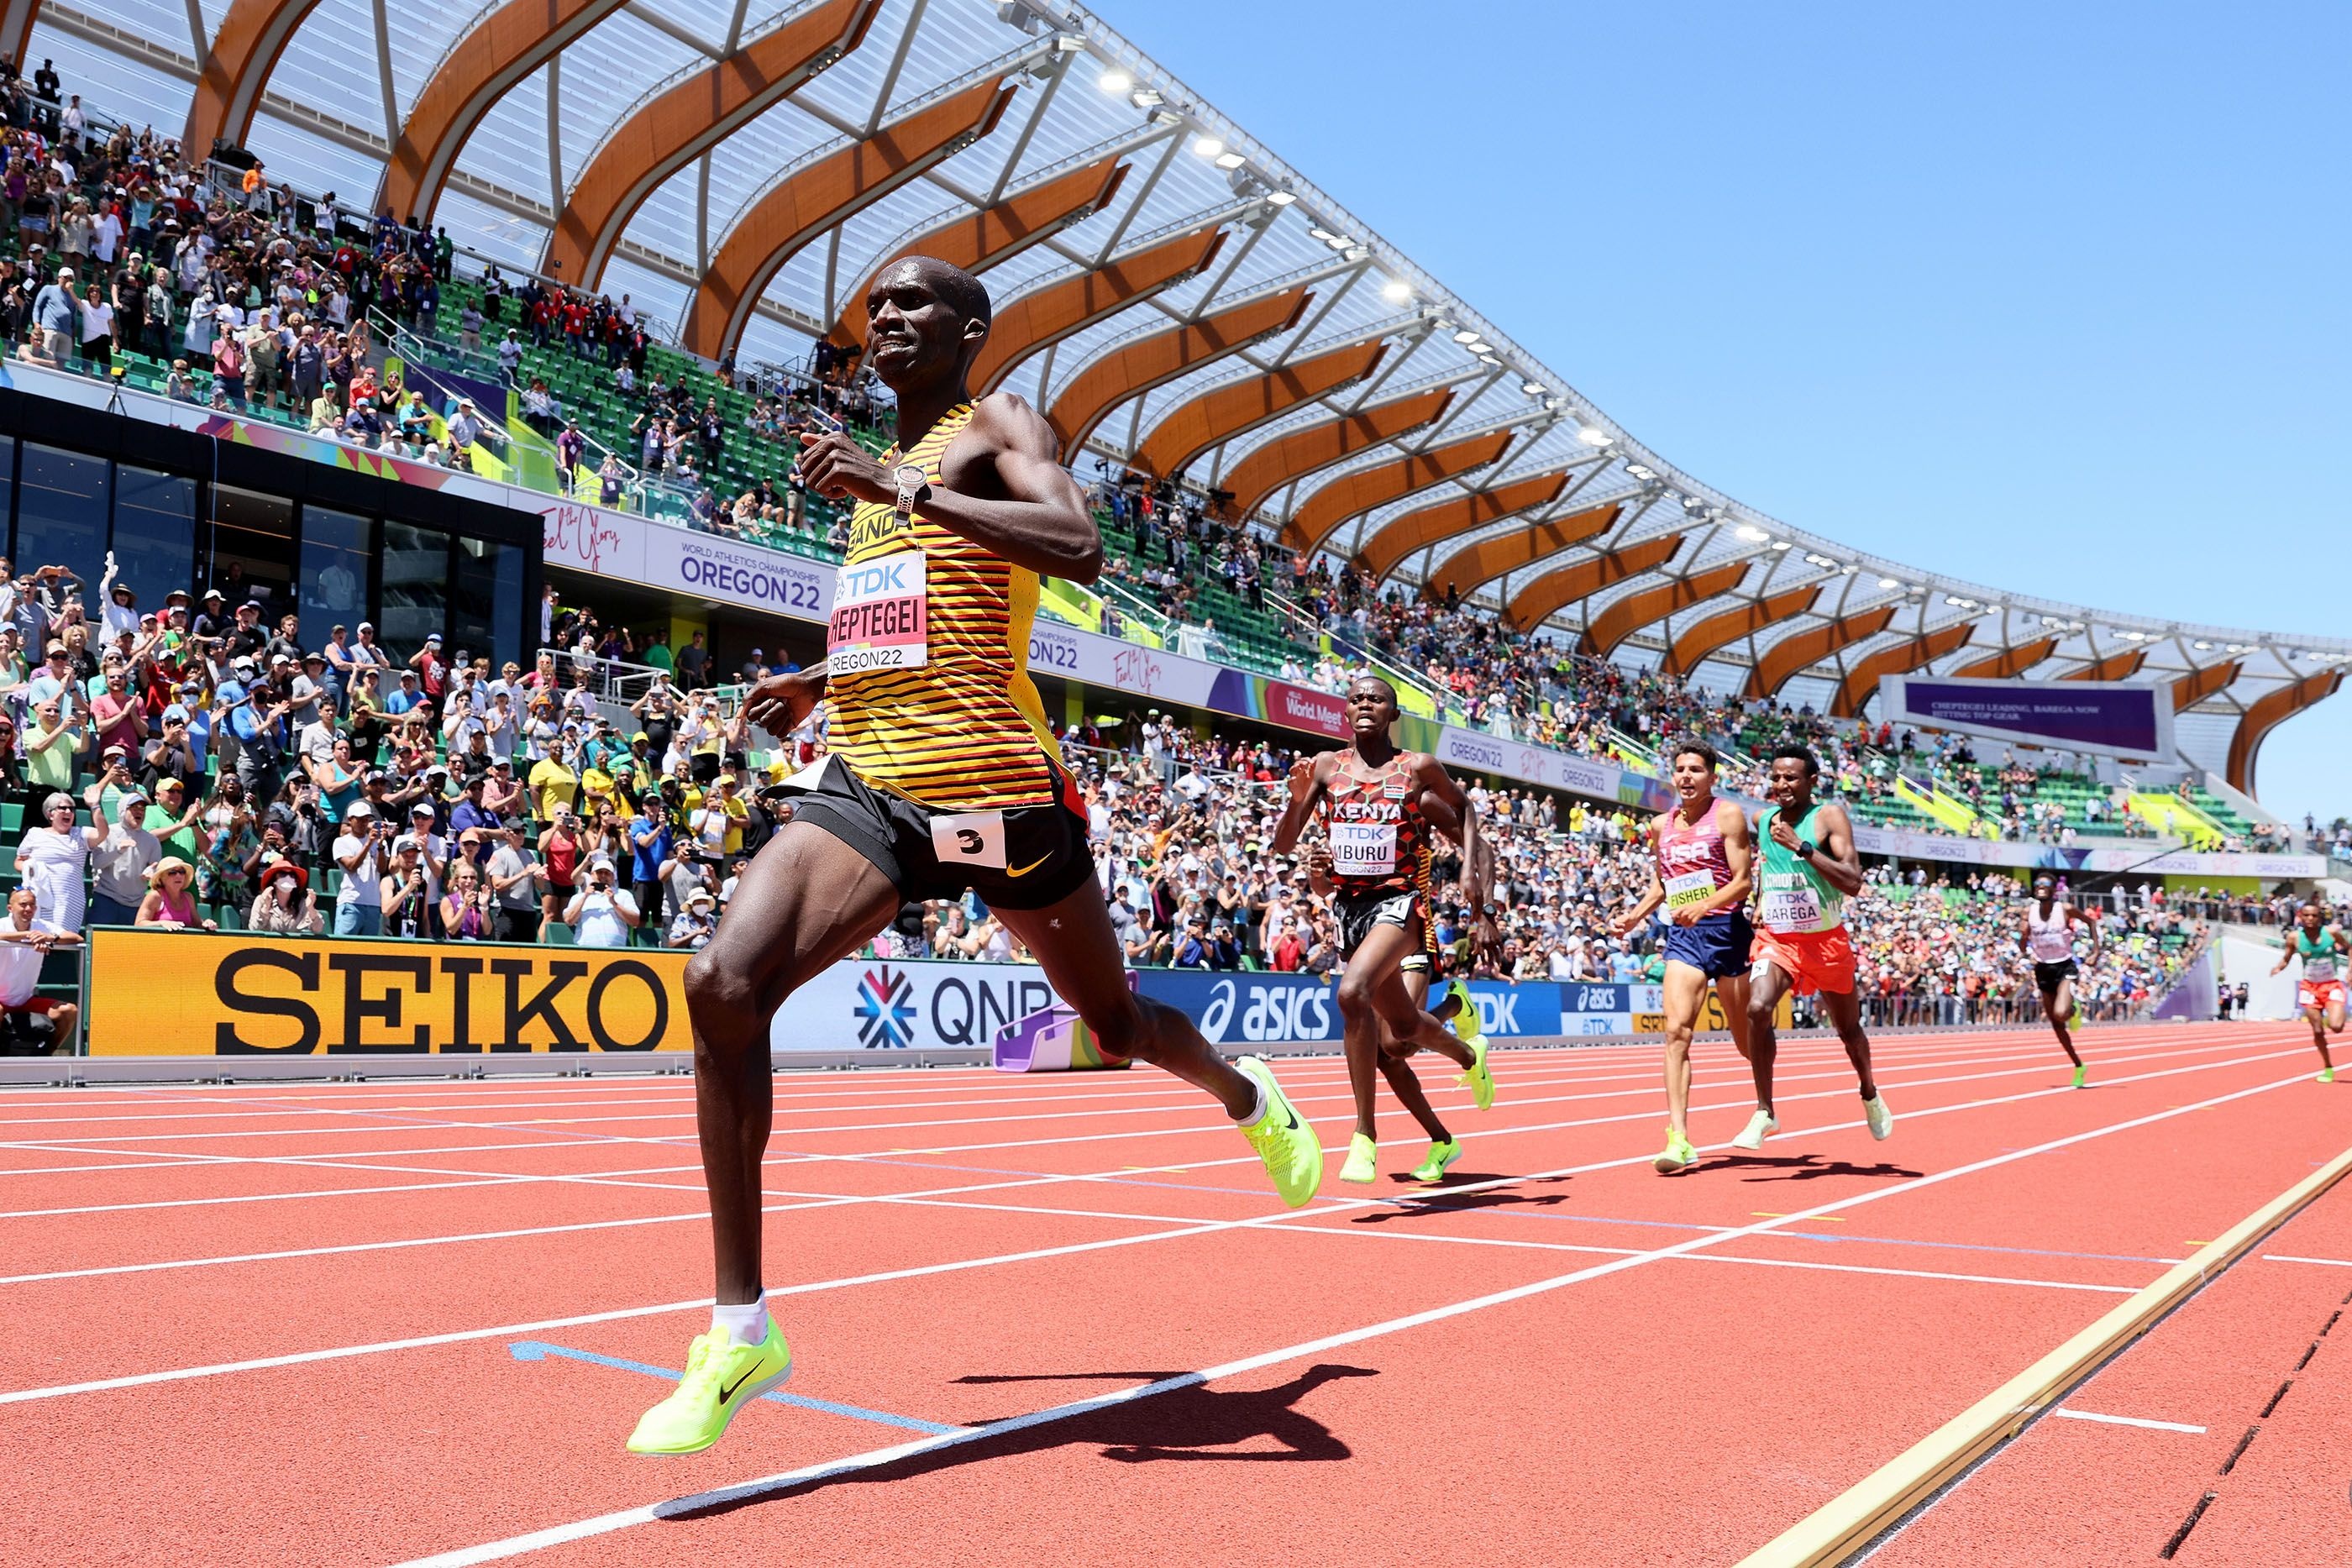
(1363, 849)
(881, 615)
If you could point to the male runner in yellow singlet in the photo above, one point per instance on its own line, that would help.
(1374, 863)
(942, 777)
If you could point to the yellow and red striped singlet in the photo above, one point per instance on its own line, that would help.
(927, 658)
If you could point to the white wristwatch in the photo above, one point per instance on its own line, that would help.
(911, 488)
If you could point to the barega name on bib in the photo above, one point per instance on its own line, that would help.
(881, 615)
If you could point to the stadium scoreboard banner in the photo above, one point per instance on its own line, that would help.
(2112, 719)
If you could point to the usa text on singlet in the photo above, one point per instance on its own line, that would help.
(1379, 838)
(1692, 865)
(927, 657)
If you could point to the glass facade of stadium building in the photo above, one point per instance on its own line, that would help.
(183, 510)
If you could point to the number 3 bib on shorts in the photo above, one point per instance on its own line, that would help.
(970, 839)
(881, 615)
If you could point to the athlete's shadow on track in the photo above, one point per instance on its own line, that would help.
(1427, 1201)
(1196, 1422)
(1807, 1167)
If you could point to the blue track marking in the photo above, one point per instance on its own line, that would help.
(540, 1350)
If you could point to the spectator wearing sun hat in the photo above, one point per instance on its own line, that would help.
(168, 904)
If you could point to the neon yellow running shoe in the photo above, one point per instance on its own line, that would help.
(1440, 1156)
(2082, 1073)
(2327, 1075)
(1464, 1023)
(1480, 1078)
(721, 1377)
(1678, 1154)
(1283, 1138)
(1363, 1160)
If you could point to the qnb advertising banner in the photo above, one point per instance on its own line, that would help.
(2113, 718)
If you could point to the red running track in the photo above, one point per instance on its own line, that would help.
(1063, 1321)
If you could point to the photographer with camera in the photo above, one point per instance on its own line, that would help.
(601, 914)
(359, 851)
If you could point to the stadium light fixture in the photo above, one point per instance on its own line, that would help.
(1465, 336)
(2202, 646)
(1488, 360)
(1593, 435)
(1069, 43)
(1641, 471)
(1326, 236)
(1118, 79)
(1396, 291)
(1890, 582)
(1230, 159)
(1146, 97)
(1782, 544)
(1752, 533)
(1208, 146)
(1280, 198)
(1533, 389)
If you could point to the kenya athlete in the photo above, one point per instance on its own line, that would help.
(1375, 861)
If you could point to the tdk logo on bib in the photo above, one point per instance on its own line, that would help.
(881, 615)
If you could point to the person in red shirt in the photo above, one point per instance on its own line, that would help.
(1290, 953)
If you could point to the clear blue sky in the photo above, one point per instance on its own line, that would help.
(2052, 296)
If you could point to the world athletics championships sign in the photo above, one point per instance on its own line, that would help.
(2113, 718)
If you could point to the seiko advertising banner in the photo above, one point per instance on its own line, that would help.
(2111, 718)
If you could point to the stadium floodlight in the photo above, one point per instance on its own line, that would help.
(1396, 291)
(1146, 97)
(1230, 160)
(1118, 79)
(1533, 389)
(1208, 146)
(1782, 544)
(1465, 336)
(1641, 471)
(1890, 582)
(2202, 646)
(1751, 533)
(1280, 198)
(1815, 557)
(2237, 648)
(1322, 234)
(1593, 435)
(1069, 43)
(1488, 360)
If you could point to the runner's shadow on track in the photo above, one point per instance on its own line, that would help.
(1810, 1167)
(1437, 1200)
(1196, 1422)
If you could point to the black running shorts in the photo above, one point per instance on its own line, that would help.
(2047, 975)
(1028, 857)
(1359, 912)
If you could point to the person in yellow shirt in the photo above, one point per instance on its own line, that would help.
(555, 788)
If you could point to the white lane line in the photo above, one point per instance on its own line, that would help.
(1704, 1258)
(622, 1178)
(765, 1485)
(1066, 1249)
(2072, 1415)
(2323, 1262)
(619, 1179)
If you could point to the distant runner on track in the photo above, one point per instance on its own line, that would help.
(1703, 860)
(2320, 943)
(942, 776)
(1375, 859)
(1810, 870)
(2050, 942)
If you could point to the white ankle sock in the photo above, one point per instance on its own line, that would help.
(1258, 1114)
(747, 1324)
